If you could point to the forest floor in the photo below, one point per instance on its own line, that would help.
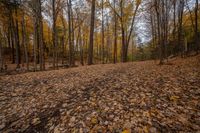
(130, 97)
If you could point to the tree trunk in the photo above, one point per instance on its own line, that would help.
(18, 59)
(1, 55)
(12, 27)
(54, 33)
(123, 50)
(115, 36)
(196, 27)
(157, 4)
(180, 27)
(102, 31)
(63, 40)
(71, 50)
(9, 39)
(81, 47)
(25, 45)
(174, 30)
(73, 38)
(123, 44)
(90, 50)
(35, 42)
(23, 40)
(41, 40)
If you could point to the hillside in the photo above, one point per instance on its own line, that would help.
(129, 97)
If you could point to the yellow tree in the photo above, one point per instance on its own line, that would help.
(126, 19)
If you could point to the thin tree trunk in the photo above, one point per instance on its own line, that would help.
(133, 48)
(54, 35)
(23, 41)
(18, 59)
(157, 3)
(115, 36)
(180, 29)
(70, 34)
(9, 39)
(196, 28)
(73, 38)
(26, 46)
(81, 47)
(123, 50)
(41, 41)
(12, 36)
(63, 40)
(174, 30)
(1, 54)
(102, 31)
(35, 44)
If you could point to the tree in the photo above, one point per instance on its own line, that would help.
(1, 52)
(126, 29)
(91, 43)
(196, 27)
(24, 41)
(54, 35)
(70, 34)
(102, 31)
(181, 4)
(35, 31)
(63, 37)
(18, 56)
(40, 36)
(115, 35)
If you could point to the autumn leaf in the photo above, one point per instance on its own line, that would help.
(174, 98)
(94, 120)
(145, 129)
(127, 131)
(138, 2)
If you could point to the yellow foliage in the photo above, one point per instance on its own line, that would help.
(94, 120)
(138, 2)
(126, 131)
(145, 129)
(174, 98)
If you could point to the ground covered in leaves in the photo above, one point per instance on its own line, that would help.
(130, 97)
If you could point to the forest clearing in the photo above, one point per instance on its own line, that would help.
(130, 97)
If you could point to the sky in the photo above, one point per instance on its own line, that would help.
(141, 26)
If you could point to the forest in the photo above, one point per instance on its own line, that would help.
(48, 34)
(99, 66)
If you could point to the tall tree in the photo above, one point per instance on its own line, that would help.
(41, 39)
(24, 41)
(196, 27)
(63, 37)
(1, 52)
(158, 17)
(181, 5)
(126, 28)
(102, 31)
(115, 35)
(17, 41)
(54, 35)
(70, 34)
(90, 49)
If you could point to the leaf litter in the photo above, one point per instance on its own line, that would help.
(122, 98)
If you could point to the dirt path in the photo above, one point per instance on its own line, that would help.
(104, 98)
